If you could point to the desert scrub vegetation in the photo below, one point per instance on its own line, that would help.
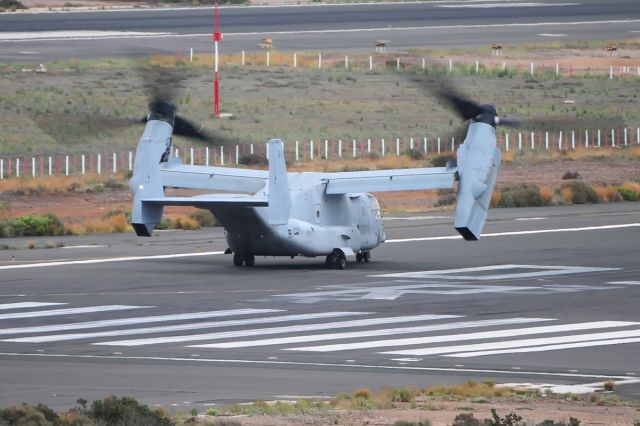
(56, 185)
(32, 226)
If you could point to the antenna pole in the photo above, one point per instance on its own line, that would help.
(216, 86)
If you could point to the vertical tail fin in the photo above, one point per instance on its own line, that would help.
(279, 196)
(146, 181)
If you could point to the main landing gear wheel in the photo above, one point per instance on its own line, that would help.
(364, 256)
(337, 260)
(239, 260)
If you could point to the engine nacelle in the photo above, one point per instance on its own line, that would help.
(478, 167)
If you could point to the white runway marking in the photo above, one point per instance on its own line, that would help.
(180, 327)
(525, 219)
(371, 333)
(108, 260)
(511, 233)
(74, 35)
(465, 336)
(543, 344)
(545, 348)
(22, 305)
(278, 330)
(70, 311)
(539, 271)
(503, 5)
(551, 35)
(134, 320)
(624, 282)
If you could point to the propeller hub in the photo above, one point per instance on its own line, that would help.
(163, 111)
(489, 115)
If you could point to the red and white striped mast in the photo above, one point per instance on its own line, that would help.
(217, 36)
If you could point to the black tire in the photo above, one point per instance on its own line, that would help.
(366, 256)
(340, 261)
(359, 257)
(238, 259)
(328, 262)
(249, 260)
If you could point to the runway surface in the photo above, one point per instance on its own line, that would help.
(547, 296)
(38, 37)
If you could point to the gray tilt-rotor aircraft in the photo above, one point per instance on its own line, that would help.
(278, 213)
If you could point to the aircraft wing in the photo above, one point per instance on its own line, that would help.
(390, 180)
(209, 201)
(218, 178)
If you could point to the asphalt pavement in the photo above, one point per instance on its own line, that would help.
(46, 36)
(547, 296)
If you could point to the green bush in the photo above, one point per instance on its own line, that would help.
(526, 195)
(11, 4)
(25, 414)
(125, 411)
(582, 193)
(32, 226)
(205, 218)
(628, 194)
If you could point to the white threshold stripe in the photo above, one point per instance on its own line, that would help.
(277, 330)
(70, 311)
(625, 282)
(23, 305)
(548, 347)
(521, 343)
(180, 327)
(108, 260)
(370, 333)
(321, 364)
(495, 334)
(510, 233)
(134, 320)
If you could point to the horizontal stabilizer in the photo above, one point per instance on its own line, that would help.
(209, 201)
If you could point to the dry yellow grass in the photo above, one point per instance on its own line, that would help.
(113, 224)
(186, 223)
(607, 194)
(547, 194)
(634, 186)
(54, 184)
(566, 194)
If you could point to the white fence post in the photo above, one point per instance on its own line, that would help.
(519, 141)
(319, 60)
(237, 154)
(573, 139)
(383, 149)
(222, 155)
(560, 140)
(83, 167)
(311, 149)
(115, 163)
(506, 142)
(297, 151)
(268, 58)
(50, 165)
(33, 167)
(625, 137)
(438, 145)
(611, 73)
(586, 139)
(368, 146)
(397, 63)
(424, 64)
(295, 60)
(397, 147)
(206, 155)
(638, 135)
(477, 66)
(370, 63)
(346, 61)
(340, 148)
(411, 144)
(191, 156)
(546, 141)
(326, 149)
(251, 149)
(531, 69)
(17, 167)
(242, 58)
(1, 168)
(450, 65)
(354, 148)
(557, 69)
(599, 138)
(533, 140)
(66, 165)
(424, 142)
(613, 137)
(130, 161)
(99, 165)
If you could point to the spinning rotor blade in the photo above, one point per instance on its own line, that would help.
(444, 91)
